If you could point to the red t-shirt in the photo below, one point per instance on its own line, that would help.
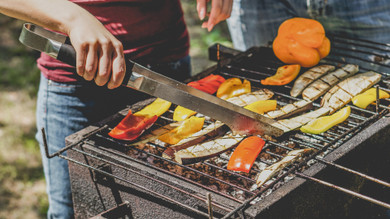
(151, 31)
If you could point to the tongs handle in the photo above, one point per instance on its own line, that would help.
(67, 54)
(55, 45)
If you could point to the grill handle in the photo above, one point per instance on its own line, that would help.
(218, 52)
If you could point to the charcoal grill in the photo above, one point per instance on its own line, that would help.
(111, 179)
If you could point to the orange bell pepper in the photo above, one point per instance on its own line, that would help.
(262, 106)
(233, 87)
(132, 126)
(301, 41)
(187, 128)
(284, 75)
(245, 154)
(208, 84)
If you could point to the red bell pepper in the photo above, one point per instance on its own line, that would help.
(208, 84)
(245, 154)
(132, 126)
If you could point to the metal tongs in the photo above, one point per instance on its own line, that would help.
(240, 120)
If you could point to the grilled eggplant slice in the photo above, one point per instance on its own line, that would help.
(323, 84)
(290, 109)
(275, 168)
(308, 77)
(290, 124)
(207, 149)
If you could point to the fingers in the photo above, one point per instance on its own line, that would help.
(104, 69)
(220, 11)
(103, 61)
(118, 68)
(201, 7)
(91, 63)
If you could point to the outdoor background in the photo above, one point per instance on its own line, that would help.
(22, 186)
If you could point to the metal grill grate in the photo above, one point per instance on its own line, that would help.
(212, 175)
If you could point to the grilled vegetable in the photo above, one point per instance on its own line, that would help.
(157, 107)
(182, 113)
(245, 154)
(323, 84)
(323, 124)
(233, 87)
(301, 41)
(207, 149)
(293, 123)
(308, 77)
(132, 126)
(187, 128)
(262, 106)
(290, 109)
(209, 84)
(369, 96)
(216, 129)
(344, 91)
(284, 75)
(275, 168)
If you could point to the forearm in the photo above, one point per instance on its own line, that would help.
(57, 15)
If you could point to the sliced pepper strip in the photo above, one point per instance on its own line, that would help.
(262, 106)
(182, 113)
(209, 84)
(245, 154)
(132, 126)
(284, 75)
(324, 123)
(233, 87)
(157, 107)
(187, 128)
(369, 96)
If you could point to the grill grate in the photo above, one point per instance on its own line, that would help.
(212, 175)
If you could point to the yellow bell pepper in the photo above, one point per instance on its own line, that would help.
(157, 107)
(262, 106)
(182, 113)
(324, 123)
(233, 87)
(187, 128)
(369, 96)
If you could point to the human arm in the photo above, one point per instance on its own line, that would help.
(99, 53)
(220, 11)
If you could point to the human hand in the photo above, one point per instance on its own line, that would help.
(99, 54)
(220, 11)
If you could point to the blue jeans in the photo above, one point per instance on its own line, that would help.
(255, 23)
(65, 108)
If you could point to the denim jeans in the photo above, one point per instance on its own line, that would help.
(65, 108)
(255, 23)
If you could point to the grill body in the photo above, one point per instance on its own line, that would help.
(367, 152)
(105, 179)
